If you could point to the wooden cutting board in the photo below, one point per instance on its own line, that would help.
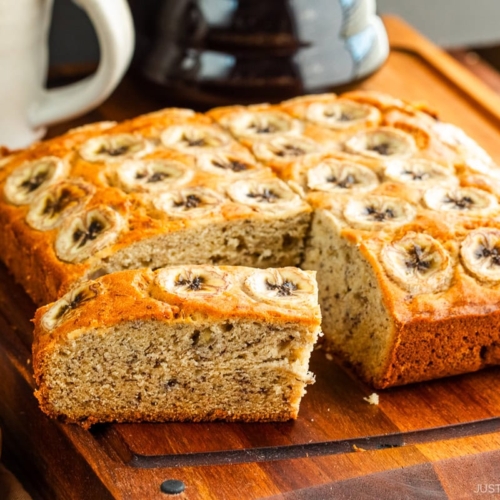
(435, 440)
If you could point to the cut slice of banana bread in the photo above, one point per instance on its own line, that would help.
(181, 343)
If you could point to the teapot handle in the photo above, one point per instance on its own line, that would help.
(115, 31)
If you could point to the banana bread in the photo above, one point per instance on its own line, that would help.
(404, 232)
(180, 343)
(164, 189)
(406, 241)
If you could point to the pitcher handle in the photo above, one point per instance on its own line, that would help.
(114, 26)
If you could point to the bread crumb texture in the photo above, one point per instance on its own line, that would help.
(182, 343)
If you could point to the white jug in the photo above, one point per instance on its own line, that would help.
(26, 106)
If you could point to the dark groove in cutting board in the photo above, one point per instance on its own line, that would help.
(319, 449)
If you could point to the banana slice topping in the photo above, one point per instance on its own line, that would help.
(418, 263)
(469, 152)
(480, 252)
(87, 232)
(259, 124)
(339, 177)
(194, 138)
(24, 184)
(285, 148)
(114, 148)
(468, 201)
(419, 173)
(65, 307)
(269, 196)
(55, 203)
(223, 163)
(287, 286)
(188, 203)
(193, 281)
(151, 176)
(342, 114)
(382, 144)
(457, 139)
(375, 213)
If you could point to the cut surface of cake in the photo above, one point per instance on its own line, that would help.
(181, 343)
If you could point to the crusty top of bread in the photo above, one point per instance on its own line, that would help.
(426, 216)
(81, 197)
(181, 294)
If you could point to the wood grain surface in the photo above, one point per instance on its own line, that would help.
(434, 440)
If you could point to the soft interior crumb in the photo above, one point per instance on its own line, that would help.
(168, 371)
(354, 318)
(373, 399)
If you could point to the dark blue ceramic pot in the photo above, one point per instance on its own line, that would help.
(213, 52)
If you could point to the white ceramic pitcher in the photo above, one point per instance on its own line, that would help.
(26, 106)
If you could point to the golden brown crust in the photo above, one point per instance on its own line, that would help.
(42, 270)
(166, 416)
(430, 349)
(142, 295)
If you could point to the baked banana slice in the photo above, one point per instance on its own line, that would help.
(480, 252)
(383, 143)
(24, 184)
(151, 176)
(260, 124)
(68, 305)
(115, 148)
(337, 176)
(466, 200)
(458, 140)
(284, 286)
(418, 263)
(194, 138)
(376, 213)
(285, 149)
(193, 281)
(189, 203)
(226, 163)
(272, 196)
(341, 114)
(419, 173)
(469, 153)
(87, 232)
(58, 201)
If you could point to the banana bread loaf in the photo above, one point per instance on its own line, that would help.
(180, 343)
(406, 241)
(404, 231)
